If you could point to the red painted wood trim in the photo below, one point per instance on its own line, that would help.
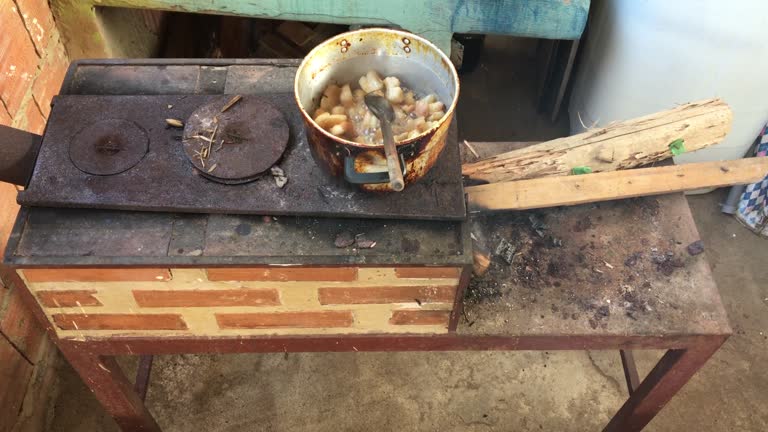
(420, 317)
(70, 298)
(206, 298)
(427, 272)
(119, 322)
(282, 274)
(308, 319)
(384, 295)
(669, 375)
(458, 302)
(96, 274)
(137, 345)
(112, 388)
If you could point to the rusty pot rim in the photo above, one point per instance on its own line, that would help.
(400, 33)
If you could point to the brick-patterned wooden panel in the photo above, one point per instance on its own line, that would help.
(73, 298)
(303, 319)
(96, 275)
(428, 272)
(382, 295)
(212, 302)
(283, 274)
(420, 317)
(207, 298)
(119, 322)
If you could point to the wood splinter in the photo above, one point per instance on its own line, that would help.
(231, 103)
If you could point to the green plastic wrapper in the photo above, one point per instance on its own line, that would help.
(581, 170)
(677, 147)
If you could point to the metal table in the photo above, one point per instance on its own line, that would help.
(613, 276)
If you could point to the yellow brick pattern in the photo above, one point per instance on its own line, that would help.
(294, 296)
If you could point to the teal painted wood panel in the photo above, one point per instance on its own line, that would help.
(436, 20)
(548, 19)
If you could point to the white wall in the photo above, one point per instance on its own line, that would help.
(643, 56)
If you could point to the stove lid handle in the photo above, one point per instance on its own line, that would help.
(18, 154)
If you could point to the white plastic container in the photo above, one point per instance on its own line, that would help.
(646, 56)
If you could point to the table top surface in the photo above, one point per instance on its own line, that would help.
(610, 269)
(615, 268)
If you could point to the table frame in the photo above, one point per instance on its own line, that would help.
(94, 360)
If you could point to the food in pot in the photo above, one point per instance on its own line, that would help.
(343, 112)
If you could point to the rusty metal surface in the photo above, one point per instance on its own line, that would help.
(80, 234)
(247, 139)
(415, 241)
(108, 147)
(80, 237)
(613, 268)
(164, 180)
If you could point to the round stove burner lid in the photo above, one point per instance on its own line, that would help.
(108, 147)
(249, 137)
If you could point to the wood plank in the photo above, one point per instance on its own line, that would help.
(96, 275)
(580, 189)
(473, 151)
(622, 145)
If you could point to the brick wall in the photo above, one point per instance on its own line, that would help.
(32, 66)
(32, 63)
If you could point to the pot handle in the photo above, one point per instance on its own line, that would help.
(355, 177)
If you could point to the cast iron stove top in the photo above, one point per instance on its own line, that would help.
(118, 152)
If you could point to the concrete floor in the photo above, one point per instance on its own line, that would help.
(475, 391)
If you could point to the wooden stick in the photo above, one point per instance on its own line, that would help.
(622, 145)
(481, 259)
(580, 189)
(231, 102)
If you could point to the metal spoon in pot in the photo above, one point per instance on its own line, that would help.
(381, 108)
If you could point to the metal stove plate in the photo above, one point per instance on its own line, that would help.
(108, 147)
(165, 180)
(250, 137)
